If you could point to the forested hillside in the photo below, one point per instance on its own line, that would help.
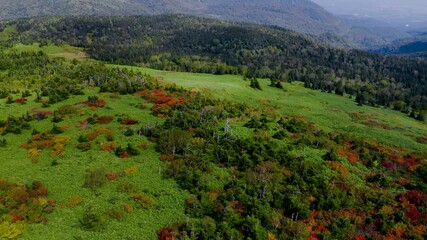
(298, 15)
(175, 42)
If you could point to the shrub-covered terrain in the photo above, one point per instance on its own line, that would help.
(125, 154)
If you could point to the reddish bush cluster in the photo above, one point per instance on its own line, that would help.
(96, 103)
(389, 165)
(163, 100)
(108, 147)
(128, 121)
(112, 176)
(25, 203)
(104, 119)
(166, 233)
(351, 156)
(21, 100)
(124, 155)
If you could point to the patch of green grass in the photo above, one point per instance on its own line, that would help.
(5, 34)
(330, 112)
(65, 51)
(67, 178)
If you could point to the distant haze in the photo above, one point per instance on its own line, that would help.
(396, 12)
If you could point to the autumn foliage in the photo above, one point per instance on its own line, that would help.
(24, 203)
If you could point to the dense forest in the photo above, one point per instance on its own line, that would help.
(181, 43)
(283, 178)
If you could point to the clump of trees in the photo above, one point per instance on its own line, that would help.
(274, 186)
(22, 204)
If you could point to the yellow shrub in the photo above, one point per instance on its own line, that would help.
(131, 170)
(10, 230)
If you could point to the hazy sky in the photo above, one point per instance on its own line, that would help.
(394, 11)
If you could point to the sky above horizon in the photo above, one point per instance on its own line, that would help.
(393, 11)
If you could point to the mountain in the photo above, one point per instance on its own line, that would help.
(371, 32)
(299, 15)
(415, 46)
(401, 14)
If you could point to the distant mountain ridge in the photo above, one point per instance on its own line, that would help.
(412, 46)
(299, 15)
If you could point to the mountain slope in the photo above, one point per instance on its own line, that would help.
(192, 44)
(302, 15)
(412, 46)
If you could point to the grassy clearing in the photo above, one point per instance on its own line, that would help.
(329, 111)
(64, 51)
(5, 34)
(66, 179)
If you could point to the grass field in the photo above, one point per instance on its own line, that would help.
(66, 179)
(329, 111)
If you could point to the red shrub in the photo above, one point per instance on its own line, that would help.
(360, 238)
(108, 147)
(415, 197)
(129, 121)
(112, 176)
(167, 233)
(414, 215)
(389, 165)
(124, 155)
(97, 103)
(104, 119)
(351, 156)
(21, 100)
(16, 217)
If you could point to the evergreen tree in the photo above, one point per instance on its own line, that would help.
(255, 84)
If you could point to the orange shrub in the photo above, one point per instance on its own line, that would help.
(75, 201)
(165, 157)
(127, 208)
(352, 157)
(112, 176)
(143, 200)
(108, 147)
(144, 145)
(92, 135)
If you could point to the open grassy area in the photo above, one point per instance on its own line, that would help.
(5, 34)
(65, 51)
(65, 176)
(329, 111)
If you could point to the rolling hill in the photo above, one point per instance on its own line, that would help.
(194, 44)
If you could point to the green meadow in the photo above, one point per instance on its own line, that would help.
(65, 176)
(330, 112)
